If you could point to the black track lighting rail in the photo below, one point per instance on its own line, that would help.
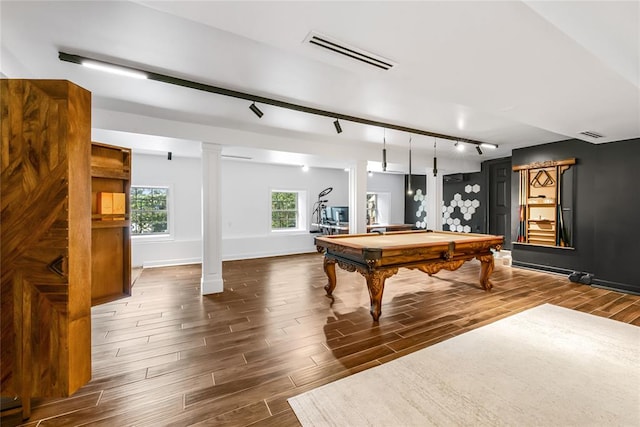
(77, 59)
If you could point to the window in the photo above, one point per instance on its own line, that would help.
(287, 210)
(149, 210)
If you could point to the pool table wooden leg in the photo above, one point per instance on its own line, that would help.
(375, 284)
(486, 268)
(330, 270)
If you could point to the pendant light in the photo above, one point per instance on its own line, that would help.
(435, 159)
(384, 151)
(409, 189)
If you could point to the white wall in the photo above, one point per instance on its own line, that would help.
(246, 206)
(245, 197)
(183, 176)
(392, 184)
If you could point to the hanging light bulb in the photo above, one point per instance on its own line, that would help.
(384, 151)
(409, 189)
(435, 159)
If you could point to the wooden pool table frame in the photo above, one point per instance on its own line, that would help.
(377, 263)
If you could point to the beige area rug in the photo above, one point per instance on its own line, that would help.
(547, 366)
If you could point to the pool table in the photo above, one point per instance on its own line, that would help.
(379, 256)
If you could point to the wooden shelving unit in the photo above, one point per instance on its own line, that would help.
(110, 232)
(541, 221)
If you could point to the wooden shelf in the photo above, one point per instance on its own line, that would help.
(109, 217)
(114, 223)
(97, 172)
(111, 234)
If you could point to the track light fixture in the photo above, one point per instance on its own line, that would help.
(113, 69)
(487, 145)
(253, 107)
(138, 72)
(164, 78)
(478, 150)
(337, 125)
(169, 155)
(459, 146)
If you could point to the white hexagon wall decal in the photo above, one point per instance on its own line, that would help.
(475, 203)
(463, 209)
(450, 209)
(476, 188)
(446, 215)
(467, 188)
(467, 203)
(471, 210)
(459, 228)
(467, 216)
(466, 229)
(456, 221)
(457, 196)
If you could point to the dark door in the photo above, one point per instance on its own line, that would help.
(500, 200)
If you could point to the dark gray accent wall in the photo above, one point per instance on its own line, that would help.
(464, 197)
(606, 210)
(414, 203)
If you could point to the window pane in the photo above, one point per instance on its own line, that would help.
(284, 209)
(149, 213)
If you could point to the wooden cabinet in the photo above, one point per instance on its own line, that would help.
(46, 238)
(541, 213)
(110, 225)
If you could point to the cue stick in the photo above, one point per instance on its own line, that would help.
(561, 240)
(521, 195)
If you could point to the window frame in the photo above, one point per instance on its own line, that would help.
(169, 234)
(301, 209)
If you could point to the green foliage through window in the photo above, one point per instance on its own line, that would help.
(284, 210)
(149, 210)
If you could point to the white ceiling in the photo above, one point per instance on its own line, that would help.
(511, 73)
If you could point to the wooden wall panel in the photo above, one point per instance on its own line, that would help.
(46, 238)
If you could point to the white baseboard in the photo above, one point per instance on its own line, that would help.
(171, 262)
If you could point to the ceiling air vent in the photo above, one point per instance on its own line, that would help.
(342, 48)
(591, 134)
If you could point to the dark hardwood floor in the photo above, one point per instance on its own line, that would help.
(169, 356)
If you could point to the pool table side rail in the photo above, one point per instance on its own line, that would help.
(412, 254)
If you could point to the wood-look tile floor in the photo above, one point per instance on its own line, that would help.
(169, 356)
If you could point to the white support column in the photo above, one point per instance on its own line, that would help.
(434, 205)
(211, 281)
(358, 198)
